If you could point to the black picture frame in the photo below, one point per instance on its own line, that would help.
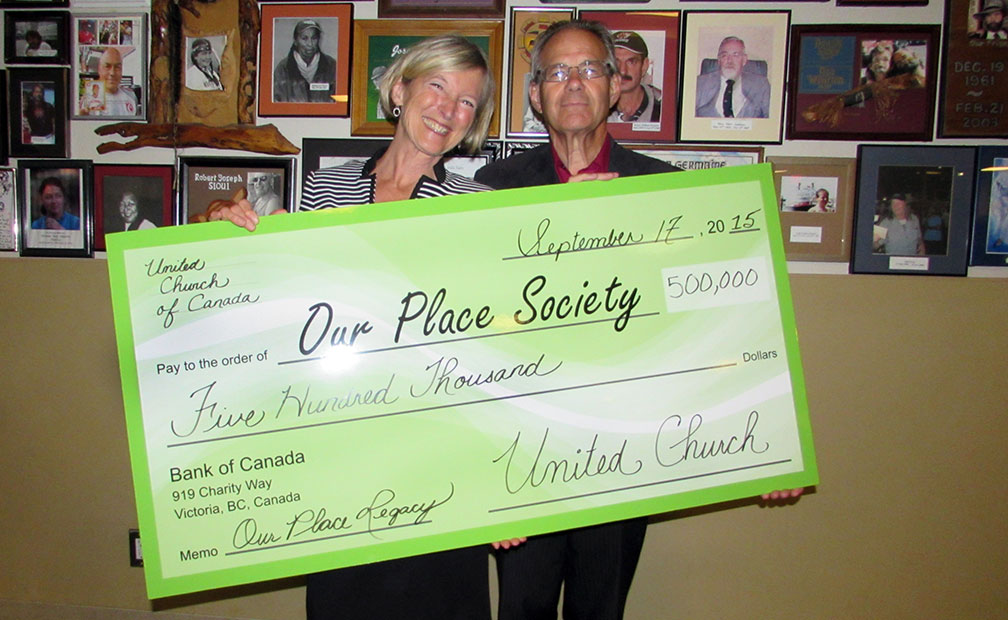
(4, 120)
(34, 4)
(29, 139)
(935, 185)
(319, 153)
(990, 220)
(74, 183)
(52, 29)
(201, 180)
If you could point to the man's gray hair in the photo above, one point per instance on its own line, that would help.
(592, 27)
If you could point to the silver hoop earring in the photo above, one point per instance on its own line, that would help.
(396, 111)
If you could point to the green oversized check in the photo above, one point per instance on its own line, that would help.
(354, 385)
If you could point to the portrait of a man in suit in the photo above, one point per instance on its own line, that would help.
(736, 88)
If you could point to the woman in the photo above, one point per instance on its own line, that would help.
(439, 95)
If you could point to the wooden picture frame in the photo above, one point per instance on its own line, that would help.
(282, 90)
(701, 157)
(816, 199)
(55, 207)
(37, 112)
(376, 41)
(973, 97)
(904, 194)
(94, 35)
(990, 214)
(526, 24)
(761, 38)
(654, 74)
(205, 179)
(36, 37)
(862, 82)
(152, 206)
(9, 229)
(479, 9)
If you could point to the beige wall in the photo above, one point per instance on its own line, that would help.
(907, 395)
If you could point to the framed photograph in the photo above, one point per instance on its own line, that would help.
(480, 9)
(8, 211)
(37, 112)
(319, 153)
(701, 157)
(4, 121)
(912, 214)
(109, 77)
(467, 164)
(36, 37)
(55, 207)
(990, 222)
(647, 55)
(974, 66)
(315, 35)
(267, 182)
(131, 197)
(816, 197)
(514, 148)
(747, 48)
(376, 44)
(862, 82)
(526, 24)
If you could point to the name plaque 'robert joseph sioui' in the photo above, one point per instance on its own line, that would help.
(358, 384)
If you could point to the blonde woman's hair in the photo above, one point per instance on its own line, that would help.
(443, 53)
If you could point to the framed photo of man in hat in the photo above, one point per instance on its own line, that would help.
(304, 60)
(647, 58)
(974, 101)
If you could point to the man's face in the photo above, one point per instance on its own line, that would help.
(576, 105)
(993, 20)
(52, 201)
(731, 58)
(822, 197)
(880, 62)
(128, 207)
(33, 41)
(258, 185)
(307, 43)
(110, 68)
(204, 58)
(899, 208)
(632, 67)
(37, 93)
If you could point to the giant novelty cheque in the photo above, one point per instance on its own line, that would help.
(359, 384)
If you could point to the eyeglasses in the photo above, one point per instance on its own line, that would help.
(587, 70)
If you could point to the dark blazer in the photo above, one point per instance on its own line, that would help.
(535, 167)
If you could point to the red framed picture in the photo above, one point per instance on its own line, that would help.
(131, 197)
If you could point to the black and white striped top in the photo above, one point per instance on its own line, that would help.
(353, 184)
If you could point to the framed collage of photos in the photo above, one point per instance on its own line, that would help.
(37, 112)
(55, 207)
(36, 37)
(109, 77)
(913, 209)
(267, 183)
(526, 24)
(305, 30)
(131, 197)
(377, 43)
(647, 55)
(817, 204)
(862, 82)
(749, 48)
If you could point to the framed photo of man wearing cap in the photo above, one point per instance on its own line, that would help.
(647, 58)
(304, 60)
(973, 96)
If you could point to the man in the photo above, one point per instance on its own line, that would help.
(991, 19)
(130, 215)
(306, 74)
(35, 46)
(204, 72)
(261, 193)
(902, 236)
(731, 92)
(637, 102)
(822, 202)
(53, 208)
(114, 100)
(574, 85)
(40, 116)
